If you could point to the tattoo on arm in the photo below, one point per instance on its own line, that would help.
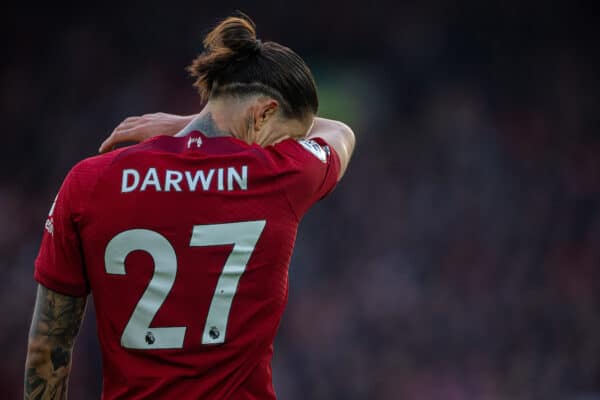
(55, 324)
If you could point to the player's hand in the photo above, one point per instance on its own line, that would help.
(138, 129)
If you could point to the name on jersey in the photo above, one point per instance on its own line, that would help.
(213, 179)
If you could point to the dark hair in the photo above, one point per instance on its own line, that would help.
(235, 62)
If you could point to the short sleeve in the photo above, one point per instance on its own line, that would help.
(60, 263)
(314, 169)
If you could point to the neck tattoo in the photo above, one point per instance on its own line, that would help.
(204, 124)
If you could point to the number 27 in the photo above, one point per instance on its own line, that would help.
(137, 333)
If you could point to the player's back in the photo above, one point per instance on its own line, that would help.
(186, 244)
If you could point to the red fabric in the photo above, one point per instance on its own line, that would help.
(283, 182)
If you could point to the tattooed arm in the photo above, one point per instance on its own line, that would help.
(55, 324)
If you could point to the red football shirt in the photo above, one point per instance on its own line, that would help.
(185, 245)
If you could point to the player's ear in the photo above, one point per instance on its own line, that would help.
(264, 110)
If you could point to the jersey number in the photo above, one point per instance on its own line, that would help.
(137, 333)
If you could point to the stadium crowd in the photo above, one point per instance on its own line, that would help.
(459, 257)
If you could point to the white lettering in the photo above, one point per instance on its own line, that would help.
(220, 179)
(125, 186)
(192, 182)
(151, 179)
(206, 180)
(172, 178)
(242, 180)
(210, 179)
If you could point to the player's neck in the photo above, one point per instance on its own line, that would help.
(206, 124)
(219, 119)
(235, 118)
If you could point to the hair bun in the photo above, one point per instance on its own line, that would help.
(234, 61)
(237, 34)
(227, 46)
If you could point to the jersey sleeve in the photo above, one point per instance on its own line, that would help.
(60, 263)
(312, 169)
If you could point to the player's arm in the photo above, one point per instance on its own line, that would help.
(338, 135)
(138, 129)
(55, 324)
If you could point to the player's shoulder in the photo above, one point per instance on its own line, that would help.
(82, 178)
(94, 166)
(85, 174)
(97, 164)
(315, 147)
(302, 152)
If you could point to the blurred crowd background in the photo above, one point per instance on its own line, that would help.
(458, 259)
